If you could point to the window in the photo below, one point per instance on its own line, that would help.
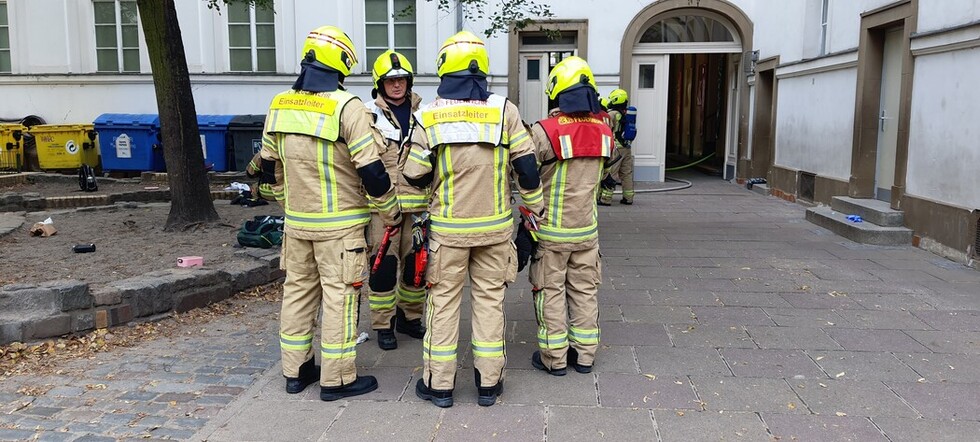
(4, 39)
(117, 44)
(389, 24)
(648, 75)
(685, 29)
(251, 38)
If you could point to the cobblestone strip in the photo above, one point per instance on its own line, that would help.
(166, 388)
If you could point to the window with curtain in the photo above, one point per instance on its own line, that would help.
(251, 38)
(389, 24)
(117, 43)
(4, 39)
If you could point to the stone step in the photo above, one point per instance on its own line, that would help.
(864, 232)
(869, 209)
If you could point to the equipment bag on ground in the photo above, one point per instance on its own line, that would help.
(262, 232)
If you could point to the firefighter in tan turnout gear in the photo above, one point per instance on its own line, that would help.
(621, 164)
(464, 144)
(572, 145)
(395, 304)
(323, 137)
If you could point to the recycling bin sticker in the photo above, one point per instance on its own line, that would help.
(124, 146)
(71, 147)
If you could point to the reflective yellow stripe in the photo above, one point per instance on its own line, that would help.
(483, 349)
(338, 351)
(346, 218)
(554, 234)
(383, 205)
(566, 146)
(325, 170)
(534, 197)
(413, 201)
(446, 175)
(548, 342)
(296, 342)
(499, 176)
(584, 336)
(411, 296)
(472, 225)
(438, 352)
(381, 302)
(359, 144)
(517, 139)
(419, 158)
(557, 197)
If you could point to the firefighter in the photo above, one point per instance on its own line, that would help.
(323, 137)
(621, 165)
(573, 144)
(464, 144)
(393, 107)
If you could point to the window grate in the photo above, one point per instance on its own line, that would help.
(976, 234)
(807, 183)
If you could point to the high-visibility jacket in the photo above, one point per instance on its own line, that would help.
(322, 139)
(410, 198)
(468, 146)
(570, 174)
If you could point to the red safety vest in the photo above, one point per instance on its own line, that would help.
(578, 136)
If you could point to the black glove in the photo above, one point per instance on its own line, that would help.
(608, 182)
(268, 172)
(526, 246)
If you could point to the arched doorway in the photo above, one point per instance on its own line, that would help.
(682, 65)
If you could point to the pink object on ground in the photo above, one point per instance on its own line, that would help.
(190, 261)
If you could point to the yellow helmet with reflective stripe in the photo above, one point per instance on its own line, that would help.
(390, 64)
(570, 73)
(463, 52)
(331, 47)
(604, 102)
(618, 97)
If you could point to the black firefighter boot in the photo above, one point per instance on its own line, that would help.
(361, 385)
(439, 398)
(386, 337)
(309, 373)
(487, 396)
(536, 362)
(413, 328)
(573, 362)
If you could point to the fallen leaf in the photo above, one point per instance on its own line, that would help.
(650, 376)
(841, 374)
(840, 414)
(819, 357)
(791, 406)
(822, 385)
(920, 380)
(678, 382)
(680, 413)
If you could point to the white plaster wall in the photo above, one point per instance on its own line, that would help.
(815, 123)
(943, 149)
(845, 21)
(940, 14)
(772, 21)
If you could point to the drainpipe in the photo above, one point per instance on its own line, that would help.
(459, 15)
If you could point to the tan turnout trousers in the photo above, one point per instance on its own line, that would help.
(490, 267)
(321, 275)
(409, 298)
(566, 283)
(623, 170)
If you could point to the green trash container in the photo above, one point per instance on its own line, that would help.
(245, 132)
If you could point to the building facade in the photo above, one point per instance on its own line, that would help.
(866, 98)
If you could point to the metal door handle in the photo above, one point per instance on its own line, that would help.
(881, 120)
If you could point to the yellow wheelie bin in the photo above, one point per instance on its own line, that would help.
(12, 146)
(66, 146)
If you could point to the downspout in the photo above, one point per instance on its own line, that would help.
(459, 15)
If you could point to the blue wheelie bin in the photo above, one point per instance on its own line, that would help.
(130, 142)
(215, 140)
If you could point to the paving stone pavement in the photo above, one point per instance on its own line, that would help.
(724, 314)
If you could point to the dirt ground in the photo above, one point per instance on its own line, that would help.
(129, 242)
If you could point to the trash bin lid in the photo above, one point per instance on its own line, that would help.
(250, 121)
(139, 120)
(213, 121)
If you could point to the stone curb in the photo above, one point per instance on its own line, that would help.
(56, 308)
(10, 222)
(33, 202)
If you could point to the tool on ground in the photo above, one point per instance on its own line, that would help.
(383, 247)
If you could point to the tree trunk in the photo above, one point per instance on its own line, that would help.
(190, 194)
